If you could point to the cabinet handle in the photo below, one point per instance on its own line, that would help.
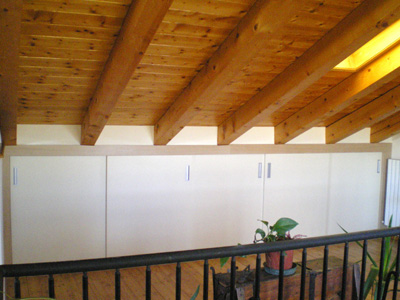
(187, 175)
(259, 170)
(15, 176)
(269, 170)
(378, 166)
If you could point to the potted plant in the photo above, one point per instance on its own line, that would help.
(389, 265)
(277, 232)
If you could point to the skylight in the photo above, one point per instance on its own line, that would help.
(372, 49)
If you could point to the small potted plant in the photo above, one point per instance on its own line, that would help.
(277, 232)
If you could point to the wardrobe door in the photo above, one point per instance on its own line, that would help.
(354, 193)
(170, 203)
(228, 193)
(57, 208)
(296, 186)
(149, 201)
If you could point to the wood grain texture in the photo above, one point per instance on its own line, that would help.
(385, 129)
(10, 26)
(374, 112)
(371, 77)
(364, 22)
(65, 45)
(140, 25)
(253, 29)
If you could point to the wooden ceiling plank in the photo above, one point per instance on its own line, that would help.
(253, 29)
(385, 129)
(366, 21)
(10, 27)
(76, 31)
(61, 18)
(371, 113)
(138, 29)
(102, 9)
(371, 77)
(66, 43)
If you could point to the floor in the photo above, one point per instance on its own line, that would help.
(101, 284)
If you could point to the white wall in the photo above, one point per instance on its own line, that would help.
(395, 146)
(144, 135)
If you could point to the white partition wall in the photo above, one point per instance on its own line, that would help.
(149, 204)
(57, 208)
(75, 207)
(228, 193)
(296, 186)
(168, 203)
(354, 190)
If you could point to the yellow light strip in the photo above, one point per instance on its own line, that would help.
(371, 49)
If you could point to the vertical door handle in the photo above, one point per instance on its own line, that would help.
(269, 170)
(187, 175)
(260, 170)
(15, 176)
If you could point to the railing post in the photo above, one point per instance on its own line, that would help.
(205, 280)
(396, 278)
(257, 283)
(85, 286)
(303, 274)
(52, 293)
(325, 273)
(148, 283)
(17, 288)
(233, 279)
(344, 271)
(2, 283)
(117, 285)
(281, 270)
(363, 269)
(178, 281)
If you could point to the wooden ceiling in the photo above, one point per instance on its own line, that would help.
(234, 64)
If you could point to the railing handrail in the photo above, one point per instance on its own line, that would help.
(37, 269)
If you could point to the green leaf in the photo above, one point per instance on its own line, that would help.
(261, 232)
(388, 255)
(223, 261)
(388, 251)
(373, 273)
(284, 225)
(195, 293)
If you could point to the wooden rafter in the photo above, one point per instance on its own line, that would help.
(370, 18)
(138, 29)
(374, 112)
(371, 77)
(10, 26)
(385, 129)
(263, 19)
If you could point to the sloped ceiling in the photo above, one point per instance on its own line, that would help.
(234, 64)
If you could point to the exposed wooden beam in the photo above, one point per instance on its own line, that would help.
(140, 25)
(368, 79)
(371, 113)
(262, 20)
(10, 27)
(385, 129)
(366, 21)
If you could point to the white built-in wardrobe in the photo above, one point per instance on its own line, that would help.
(77, 207)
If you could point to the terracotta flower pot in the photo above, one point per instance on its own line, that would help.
(272, 260)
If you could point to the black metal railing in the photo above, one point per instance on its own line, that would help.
(148, 260)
